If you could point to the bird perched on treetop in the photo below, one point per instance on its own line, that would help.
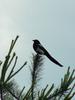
(42, 51)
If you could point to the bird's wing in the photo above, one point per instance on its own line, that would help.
(49, 56)
(40, 49)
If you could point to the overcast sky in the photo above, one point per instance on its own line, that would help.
(50, 21)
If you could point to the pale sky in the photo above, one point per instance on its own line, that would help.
(50, 21)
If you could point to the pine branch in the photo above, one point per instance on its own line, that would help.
(5, 65)
(28, 94)
(1, 94)
(8, 78)
(11, 92)
(5, 84)
(64, 92)
(36, 72)
(18, 70)
(21, 92)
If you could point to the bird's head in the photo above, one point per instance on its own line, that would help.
(36, 41)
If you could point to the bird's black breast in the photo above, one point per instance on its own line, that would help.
(38, 49)
(35, 46)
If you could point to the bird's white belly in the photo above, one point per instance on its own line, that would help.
(39, 51)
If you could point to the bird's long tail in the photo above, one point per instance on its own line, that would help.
(52, 59)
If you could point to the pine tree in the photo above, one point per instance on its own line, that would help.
(9, 89)
(7, 85)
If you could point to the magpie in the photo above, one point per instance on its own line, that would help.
(39, 49)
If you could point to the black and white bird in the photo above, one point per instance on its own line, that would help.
(39, 49)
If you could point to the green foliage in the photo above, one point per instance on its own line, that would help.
(5, 82)
(9, 90)
(65, 90)
(35, 72)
